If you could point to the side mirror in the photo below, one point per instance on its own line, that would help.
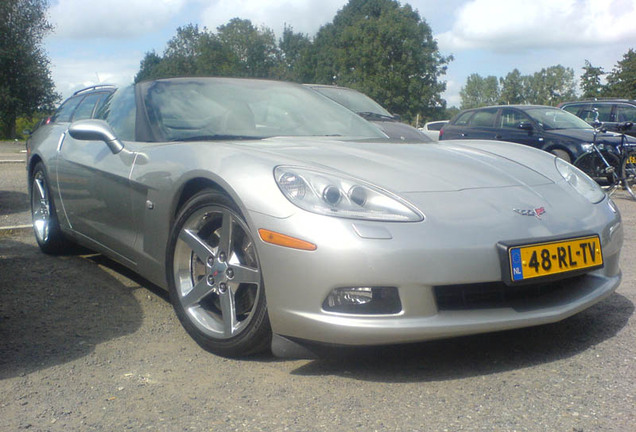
(96, 130)
(525, 126)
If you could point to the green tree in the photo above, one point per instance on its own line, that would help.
(386, 51)
(295, 52)
(551, 85)
(255, 50)
(479, 91)
(621, 82)
(512, 88)
(591, 81)
(26, 86)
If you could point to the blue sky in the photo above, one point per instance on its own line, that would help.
(103, 42)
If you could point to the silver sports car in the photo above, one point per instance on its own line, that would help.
(279, 219)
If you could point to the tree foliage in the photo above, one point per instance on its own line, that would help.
(386, 51)
(376, 46)
(549, 86)
(591, 81)
(25, 80)
(479, 91)
(621, 81)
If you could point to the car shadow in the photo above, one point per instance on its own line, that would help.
(477, 355)
(54, 310)
(13, 202)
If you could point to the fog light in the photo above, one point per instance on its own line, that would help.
(363, 300)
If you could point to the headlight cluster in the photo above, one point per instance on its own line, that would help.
(331, 195)
(580, 181)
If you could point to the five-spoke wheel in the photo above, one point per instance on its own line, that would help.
(215, 279)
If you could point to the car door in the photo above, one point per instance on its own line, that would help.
(515, 126)
(94, 182)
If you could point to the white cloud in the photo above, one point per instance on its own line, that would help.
(508, 25)
(111, 18)
(305, 16)
(71, 74)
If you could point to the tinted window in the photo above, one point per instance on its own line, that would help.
(86, 108)
(604, 113)
(511, 119)
(65, 111)
(462, 120)
(435, 126)
(483, 118)
(625, 113)
(119, 111)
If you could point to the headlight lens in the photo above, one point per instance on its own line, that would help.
(332, 195)
(580, 181)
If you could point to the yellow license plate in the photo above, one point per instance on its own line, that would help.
(631, 159)
(550, 258)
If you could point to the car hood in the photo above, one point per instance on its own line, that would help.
(407, 168)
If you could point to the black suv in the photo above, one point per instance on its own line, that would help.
(611, 112)
(546, 128)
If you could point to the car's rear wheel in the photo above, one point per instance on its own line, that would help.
(45, 224)
(214, 277)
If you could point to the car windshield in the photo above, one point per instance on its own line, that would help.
(354, 100)
(228, 108)
(553, 118)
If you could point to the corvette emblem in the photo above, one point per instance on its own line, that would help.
(538, 212)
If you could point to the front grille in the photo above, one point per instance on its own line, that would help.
(497, 294)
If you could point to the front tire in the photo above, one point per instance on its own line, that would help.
(214, 277)
(45, 224)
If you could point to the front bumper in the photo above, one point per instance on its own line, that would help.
(415, 258)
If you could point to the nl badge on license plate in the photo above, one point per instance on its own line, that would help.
(555, 257)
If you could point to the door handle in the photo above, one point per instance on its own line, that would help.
(464, 135)
(498, 137)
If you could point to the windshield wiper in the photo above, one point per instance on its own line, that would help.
(218, 137)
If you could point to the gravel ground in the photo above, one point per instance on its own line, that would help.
(87, 345)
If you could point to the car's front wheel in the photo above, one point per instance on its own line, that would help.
(214, 277)
(45, 224)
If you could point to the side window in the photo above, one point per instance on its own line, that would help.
(462, 120)
(483, 118)
(511, 119)
(87, 106)
(120, 111)
(625, 113)
(65, 111)
(604, 113)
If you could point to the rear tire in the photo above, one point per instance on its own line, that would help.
(214, 277)
(628, 173)
(45, 224)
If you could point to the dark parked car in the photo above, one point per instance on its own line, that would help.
(546, 128)
(611, 112)
(372, 111)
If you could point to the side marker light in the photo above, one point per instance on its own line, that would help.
(284, 240)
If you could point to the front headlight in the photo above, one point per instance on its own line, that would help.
(580, 181)
(332, 195)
